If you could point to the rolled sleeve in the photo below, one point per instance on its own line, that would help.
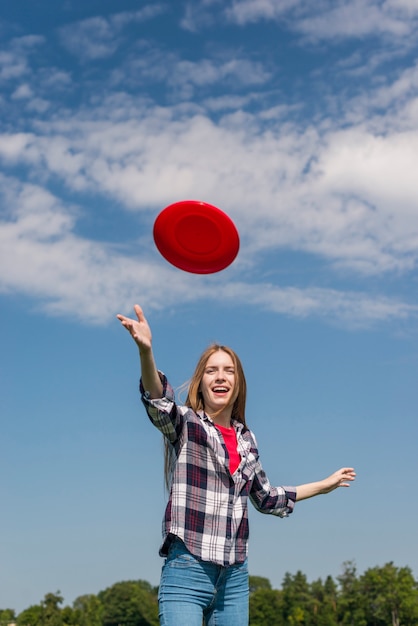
(278, 501)
(162, 411)
(291, 499)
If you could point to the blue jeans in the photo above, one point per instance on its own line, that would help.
(192, 591)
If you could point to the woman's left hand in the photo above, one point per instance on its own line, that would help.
(340, 478)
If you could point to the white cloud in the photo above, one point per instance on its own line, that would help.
(329, 19)
(247, 11)
(407, 7)
(209, 72)
(183, 78)
(12, 66)
(93, 38)
(353, 308)
(27, 43)
(14, 56)
(14, 145)
(356, 18)
(99, 37)
(41, 256)
(341, 190)
(346, 195)
(23, 92)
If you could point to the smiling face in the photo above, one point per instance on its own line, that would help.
(218, 387)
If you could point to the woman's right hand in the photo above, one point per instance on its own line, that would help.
(139, 329)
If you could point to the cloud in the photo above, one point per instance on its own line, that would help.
(354, 309)
(356, 18)
(12, 66)
(199, 15)
(22, 92)
(346, 195)
(14, 56)
(247, 11)
(187, 79)
(93, 38)
(337, 188)
(99, 37)
(40, 255)
(330, 19)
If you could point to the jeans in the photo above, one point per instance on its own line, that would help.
(193, 592)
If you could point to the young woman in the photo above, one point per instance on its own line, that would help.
(212, 468)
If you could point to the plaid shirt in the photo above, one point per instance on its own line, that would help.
(207, 506)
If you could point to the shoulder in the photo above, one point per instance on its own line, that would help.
(246, 434)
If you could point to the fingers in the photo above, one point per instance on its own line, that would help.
(128, 322)
(139, 313)
(125, 321)
(346, 474)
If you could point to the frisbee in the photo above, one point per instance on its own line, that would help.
(196, 237)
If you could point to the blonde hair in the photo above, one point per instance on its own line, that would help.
(194, 398)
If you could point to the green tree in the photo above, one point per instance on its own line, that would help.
(266, 607)
(349, 606)
(297, 599)
(130, 603)
(51, 612)
(88, 610)
(32, 616)
(69, 616)
(7, 616)
(324, 602)
(391, 596)
(258, 582)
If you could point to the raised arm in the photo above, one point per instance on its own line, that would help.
(340, 478)
(141, 333)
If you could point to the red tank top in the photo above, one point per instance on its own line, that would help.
(230, 439)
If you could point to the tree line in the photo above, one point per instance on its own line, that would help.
(381, 596)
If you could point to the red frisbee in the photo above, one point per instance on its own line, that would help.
(196, 237)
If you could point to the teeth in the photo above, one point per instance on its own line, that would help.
(223, 389)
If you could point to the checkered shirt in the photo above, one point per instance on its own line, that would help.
(207, 506)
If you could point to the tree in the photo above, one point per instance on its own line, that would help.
(349, 607)
(324, 602)
(391, 596)
(130, 603)
(51, 612)
(266, 607)
(297, 599)
(258, 582)
(88, 610)
(32, 616)
(7, 616)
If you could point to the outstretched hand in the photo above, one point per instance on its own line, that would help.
(138, 329)
(340, 478)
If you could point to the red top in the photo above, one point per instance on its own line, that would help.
(230, 439)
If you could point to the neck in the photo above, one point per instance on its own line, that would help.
(222, 419)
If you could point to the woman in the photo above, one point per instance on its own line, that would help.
(212, 468)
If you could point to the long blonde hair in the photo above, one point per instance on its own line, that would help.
(195, 401)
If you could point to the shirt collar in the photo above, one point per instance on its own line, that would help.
(235, 423)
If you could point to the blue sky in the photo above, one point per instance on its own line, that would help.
(298, 120)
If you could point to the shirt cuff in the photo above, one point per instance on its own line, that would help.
(168, 392)
(291, 498)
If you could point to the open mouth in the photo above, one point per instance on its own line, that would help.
(220, 390)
